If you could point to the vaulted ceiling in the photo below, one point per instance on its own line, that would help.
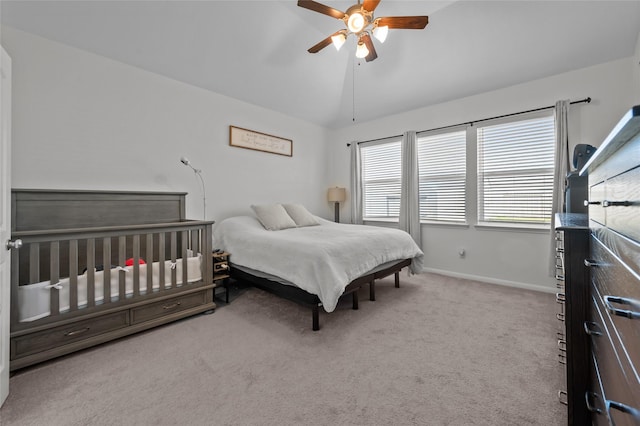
(256, 51)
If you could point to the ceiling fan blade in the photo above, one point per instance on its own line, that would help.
(324, 43)
(321, 8)
(370, 5)
(366, 39)
(404, 22)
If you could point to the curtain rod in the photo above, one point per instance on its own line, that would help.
(471, 123)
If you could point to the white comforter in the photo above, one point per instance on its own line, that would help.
(322, 259)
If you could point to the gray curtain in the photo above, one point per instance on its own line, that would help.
(409, 195)
(356, 184)
(561, 168)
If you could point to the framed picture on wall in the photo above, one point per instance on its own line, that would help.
(250, 139)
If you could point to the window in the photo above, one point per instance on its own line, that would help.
(442, 168)
(515, 171)
(381, 178)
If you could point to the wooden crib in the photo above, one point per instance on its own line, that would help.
(98, 265)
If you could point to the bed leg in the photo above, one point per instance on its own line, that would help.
(315, 318)
(397, 279)
(372, 290)
(355, 299)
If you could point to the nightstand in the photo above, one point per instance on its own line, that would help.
(221, 271)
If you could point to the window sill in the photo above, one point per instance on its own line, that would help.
(513, 227)
(444, 224)
(381, 220)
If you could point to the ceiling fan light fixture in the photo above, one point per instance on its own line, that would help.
(381, 33)
(361, 50)
(338, 40)
(360, 22)
(356, 22)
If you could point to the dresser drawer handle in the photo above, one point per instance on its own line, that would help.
(587, 203)
(624, 408)
(562, 358)
(76, 332)
(590, 263)
(560, 317)
(559, 277)
(587, 399)
(173, 305)
(607, 203)
(609, 300)
(589, 327)
(560, 297)
(562, 397)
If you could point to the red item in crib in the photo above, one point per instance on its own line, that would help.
(129, 262)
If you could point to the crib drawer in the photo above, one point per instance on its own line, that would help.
(59, 336)
(168, 307)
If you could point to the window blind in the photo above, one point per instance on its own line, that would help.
(515, 171)
(442, 169)
(381, 179)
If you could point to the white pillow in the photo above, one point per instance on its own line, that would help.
(273, 217)
(300, 215)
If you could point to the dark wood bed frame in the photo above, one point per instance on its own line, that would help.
(305, 298)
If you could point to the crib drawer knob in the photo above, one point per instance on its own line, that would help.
(14, 244)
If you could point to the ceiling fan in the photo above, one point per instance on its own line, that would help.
(361, 23)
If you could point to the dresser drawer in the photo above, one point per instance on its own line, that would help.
(594, 396)
(621, 190)
(596, 196)
(617, 374)
(618, 294)
(168, 307)
(603, 410)
(58, 336)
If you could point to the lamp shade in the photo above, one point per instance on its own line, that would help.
(361, 50)
(381, 33)
(336, 194)
(338, 40)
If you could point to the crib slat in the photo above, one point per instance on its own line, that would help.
(106, 275)
(54, 269)
(174, 250)
(136, 264)
(34, 263)
(122, 253)
(185, 241)
(73, 275)
(161, 259)
(91, 272)
(149, 256)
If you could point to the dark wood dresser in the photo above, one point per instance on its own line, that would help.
(613, 314)
(572, 248)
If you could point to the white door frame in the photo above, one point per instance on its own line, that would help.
(5, 219)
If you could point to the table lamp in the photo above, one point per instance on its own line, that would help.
(336, 195)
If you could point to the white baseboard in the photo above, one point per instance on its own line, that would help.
(489, 280)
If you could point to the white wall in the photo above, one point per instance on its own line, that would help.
(636, 72)
(504, 257)
(82, 121)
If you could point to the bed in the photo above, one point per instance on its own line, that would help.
(98, 265)
(317, 263)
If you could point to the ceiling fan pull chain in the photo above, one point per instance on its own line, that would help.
(353, 91)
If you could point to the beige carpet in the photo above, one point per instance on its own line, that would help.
(437, 351)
